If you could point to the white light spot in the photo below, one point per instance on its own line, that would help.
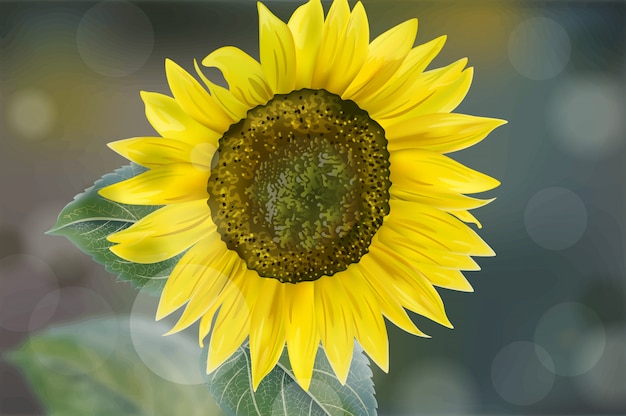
(573, 335)
(115, 38)
(435, 387)
(91, 353)
(24, 280)
(587, 116)
(539, 48)
(519, 373)
(31, 114)
(555, 218)
(177, 357)
(67, 304)
(604, 386)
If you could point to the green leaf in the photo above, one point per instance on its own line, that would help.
(91, 368)
(90, 218)
(280, 394)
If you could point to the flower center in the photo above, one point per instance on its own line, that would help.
(300, 186)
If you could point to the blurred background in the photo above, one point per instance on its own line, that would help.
(545, 330)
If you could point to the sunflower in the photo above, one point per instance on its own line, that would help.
(312, 197)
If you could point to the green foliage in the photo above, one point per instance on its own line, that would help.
(280, 394)
(91, 368)
(90, 218)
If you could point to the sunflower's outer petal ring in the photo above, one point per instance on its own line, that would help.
(335, 324)
(211, 291)
(307, 27)
(189, 272)
(153, 152)
(429, 226)
(368, 321)
(232, 325)
(166, 184)
(164, 233)
(386, 54)
(414, 64)
(301, 330)
(245, 76)
(334, 30)
(278, 56)
(411, 289)
(423, 168)
(267, 329)
(440, 132)
(232, 106)
(194, 99)
(351, 52)
(169, 120)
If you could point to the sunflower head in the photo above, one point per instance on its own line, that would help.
(312, 197)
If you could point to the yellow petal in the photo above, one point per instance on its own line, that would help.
(166, 184)
(386, 54)
(446, 278)
(189, 272)
(429, 226)
(420, 253)
(243, 282)
(334, 30)
(389, 305)
(414, 64)
(278, 56)
(440, 132)
(368, 320)
(164, 233)
(413, 291)
(169, 120)
(232, 327)
(211, 291)
(465, 216)
(397, 102)
(441, 99)
(307, 26)
(335, 324)
(267, 329)
(301, 330)
(351, 52)
(423, 168)
(447, 201)
(195, 100)
(245, 77)
(153, 152)
(235, 108)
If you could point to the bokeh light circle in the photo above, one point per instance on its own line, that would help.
(24, 281)
(539, 48)
(519, 373)
(69, 306)
(435, 386)
(31, 114)
(177, 357)
(604, 386)
(574, 337)
(555, 218)
(115, 38)
(586, 116)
